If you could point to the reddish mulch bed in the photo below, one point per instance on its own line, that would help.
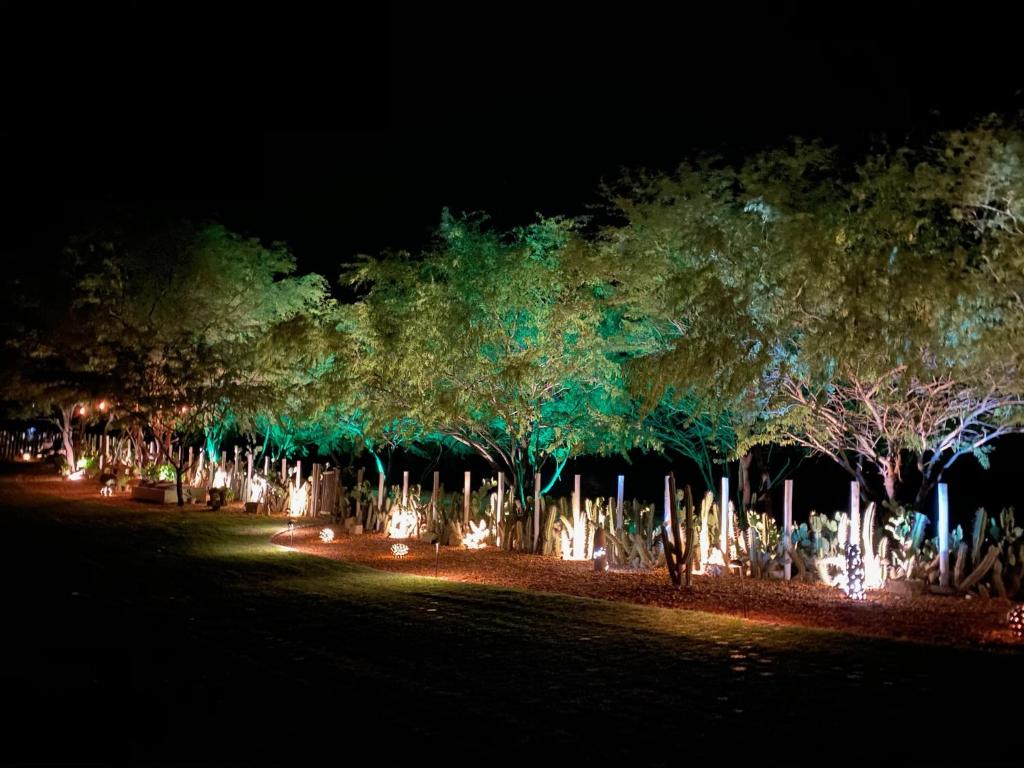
(930, 618)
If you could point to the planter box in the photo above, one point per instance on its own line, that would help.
(155, 495)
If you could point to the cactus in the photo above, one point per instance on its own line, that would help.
(978, 535)
(981, 569)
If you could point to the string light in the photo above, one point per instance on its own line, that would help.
(854, 573)
(399, 550)
(1015, 618)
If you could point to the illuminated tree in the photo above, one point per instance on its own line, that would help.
(498, 343)
(193, 323)
(847, 309)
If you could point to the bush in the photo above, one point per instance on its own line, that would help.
(154, 473)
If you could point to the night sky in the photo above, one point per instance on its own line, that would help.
(350, 135)
(341, 135)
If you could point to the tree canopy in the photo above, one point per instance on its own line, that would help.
(864, 308)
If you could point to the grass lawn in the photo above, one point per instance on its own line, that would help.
(147, 634)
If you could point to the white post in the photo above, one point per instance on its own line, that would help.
(266, 466)
(433, 496)
(465, 499)
(943, 534)
(536, 510)
(223, 461)
(501, 503)
(579, 528)
(248, 472)
(298, 473)
(190, 456)
(619, 493)
(314, 491)
(855, 514)
(725, 522)
(668, 511)
(380, 491)
(405, 489)
(284, 472)
(787, 526)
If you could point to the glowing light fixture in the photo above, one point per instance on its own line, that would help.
(402, 523)
(477, 536)
(399, 550)
(257, 488)
(327, 535)
(854, 573)
(297, 505)
(1015, 618)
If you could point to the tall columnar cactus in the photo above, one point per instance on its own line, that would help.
(679, 546)
(670, 536)
(978, 535)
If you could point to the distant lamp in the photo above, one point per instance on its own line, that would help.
(103, 405)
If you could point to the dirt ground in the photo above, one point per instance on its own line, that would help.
(945, 620)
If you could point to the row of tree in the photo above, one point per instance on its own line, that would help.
(866, 309)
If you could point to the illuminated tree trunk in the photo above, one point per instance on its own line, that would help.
(64, 423)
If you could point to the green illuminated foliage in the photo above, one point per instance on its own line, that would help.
(497, 343)
(862, 311)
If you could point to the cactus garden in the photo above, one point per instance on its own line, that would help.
(613, 385)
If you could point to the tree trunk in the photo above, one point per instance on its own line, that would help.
(745, 463)
(177, 482)
(67, 435)
(890, 484)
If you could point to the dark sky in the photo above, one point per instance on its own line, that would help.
(349, 134)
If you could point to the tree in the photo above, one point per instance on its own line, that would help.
(187, 320)
(842, 307)
(52, 366)
(498, 343)
(691, 274)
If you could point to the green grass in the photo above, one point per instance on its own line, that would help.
(151, 635)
